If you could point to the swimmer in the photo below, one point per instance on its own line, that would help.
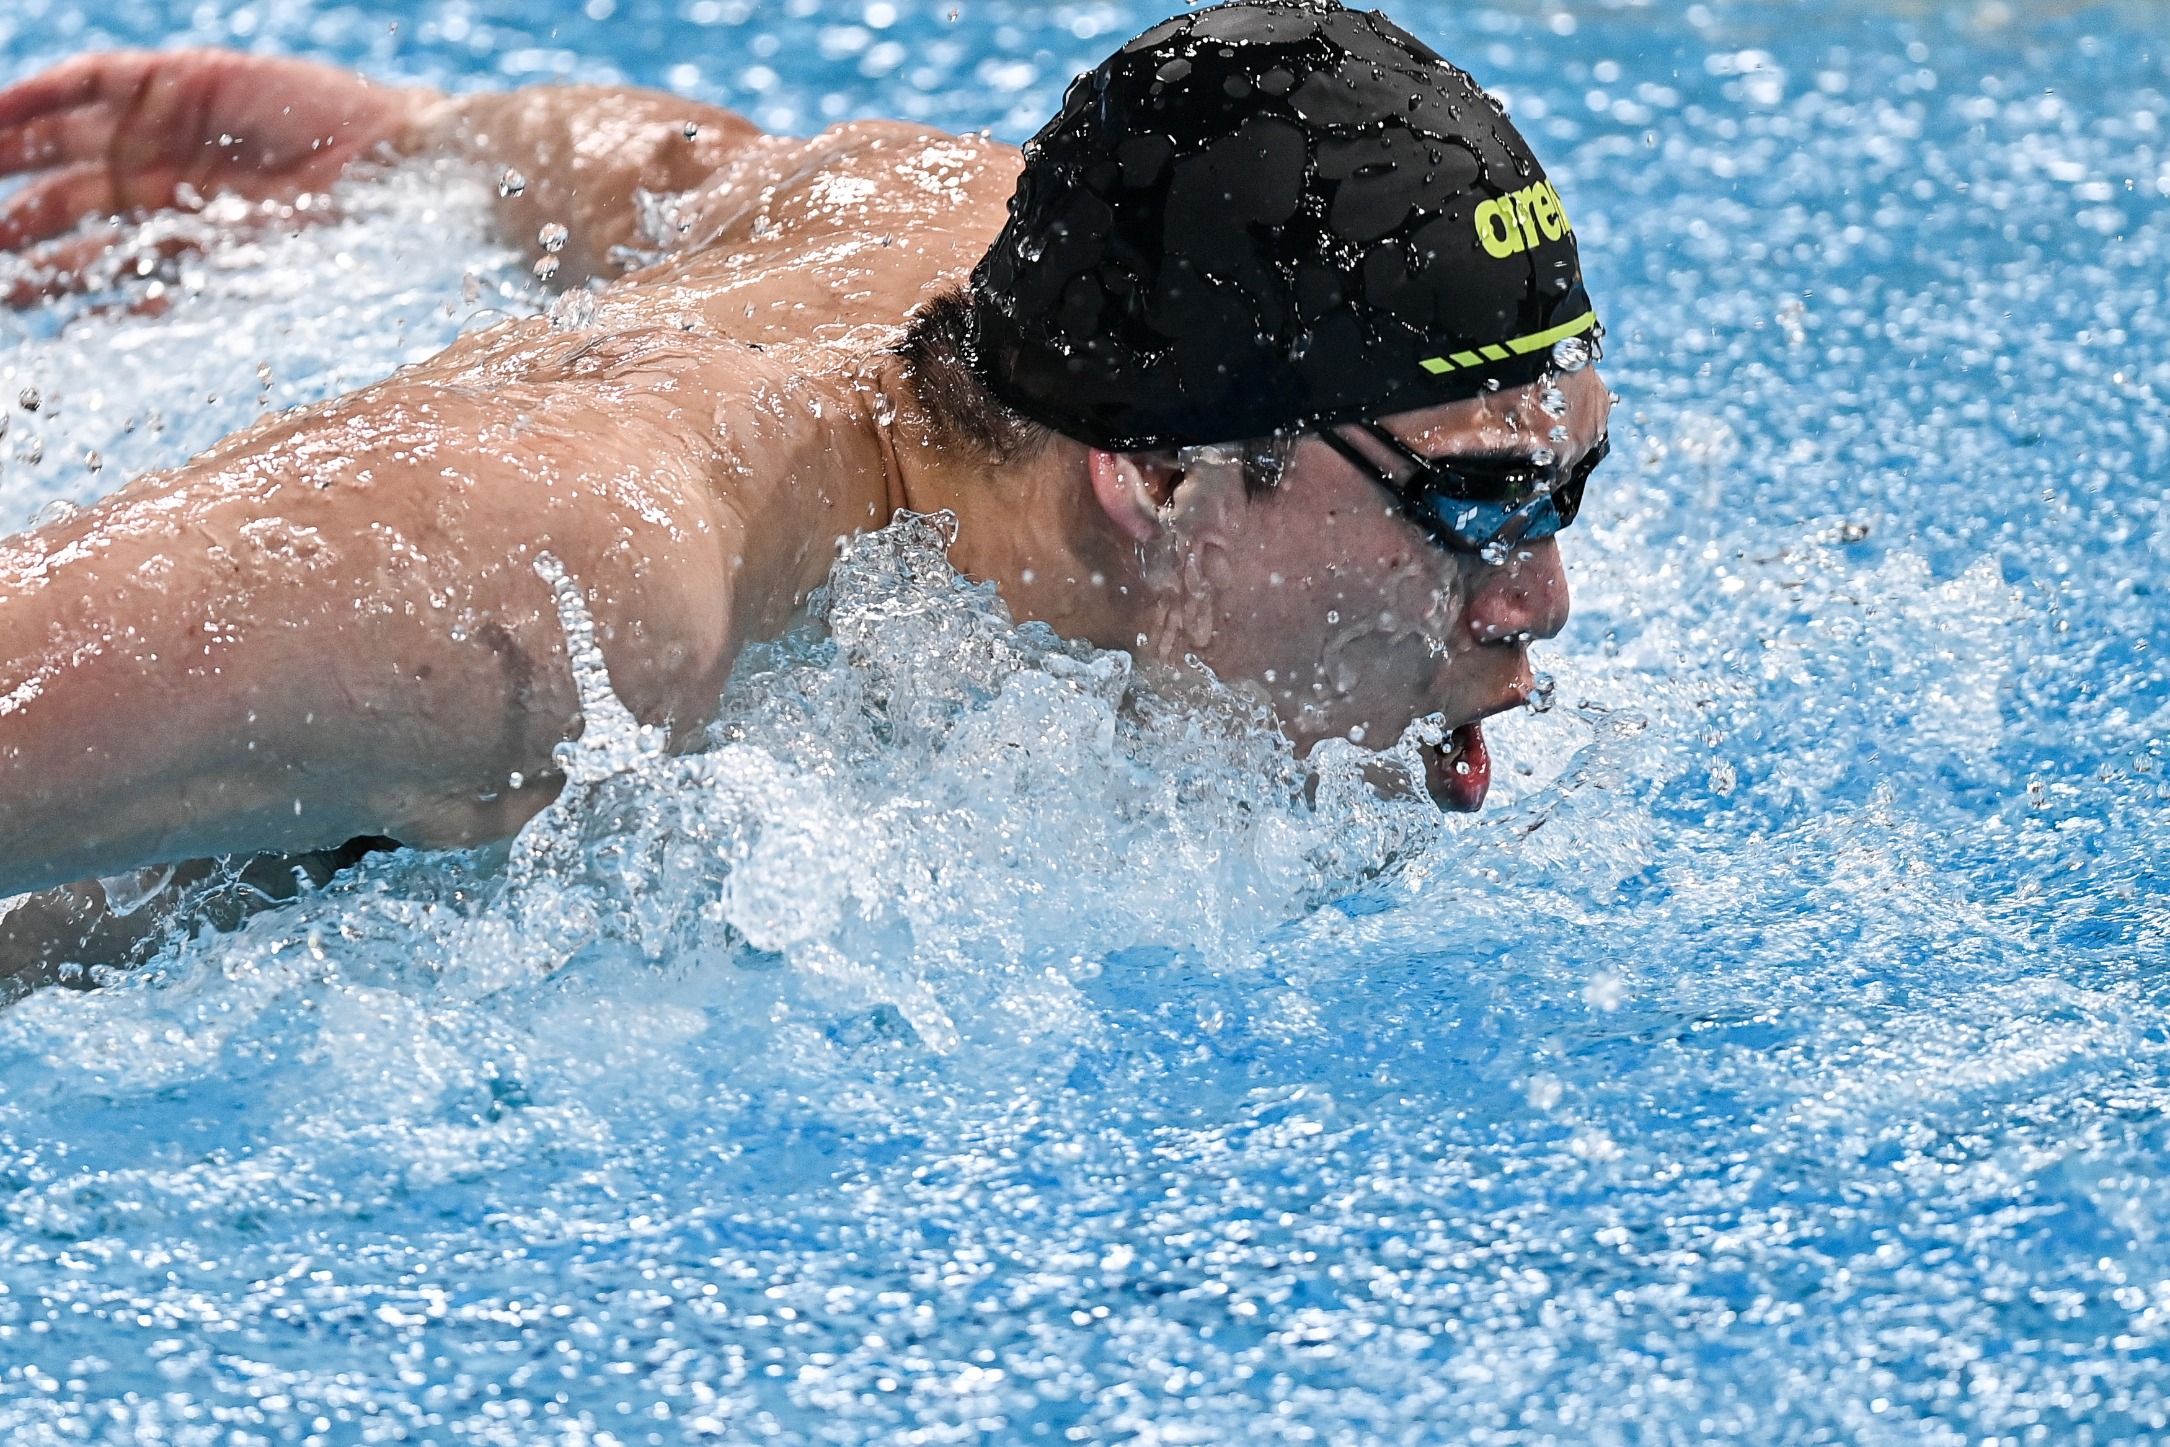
(1270, 350)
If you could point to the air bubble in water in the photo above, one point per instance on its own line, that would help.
(1571, 354)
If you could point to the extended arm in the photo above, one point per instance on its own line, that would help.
(331, 626)
(578, 154)
(127, 132)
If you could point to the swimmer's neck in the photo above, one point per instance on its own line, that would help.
(1031, 527)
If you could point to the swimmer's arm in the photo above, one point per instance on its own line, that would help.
(581, 153)
(121, 132)
(331, 625)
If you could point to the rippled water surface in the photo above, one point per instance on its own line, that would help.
(976, 1044)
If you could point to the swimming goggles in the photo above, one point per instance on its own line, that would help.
(1472, 503)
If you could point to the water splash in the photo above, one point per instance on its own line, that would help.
(1780, 1058)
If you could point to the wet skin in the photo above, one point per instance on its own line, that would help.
(329, 625)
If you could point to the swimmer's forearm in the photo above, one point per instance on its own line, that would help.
(580, 153)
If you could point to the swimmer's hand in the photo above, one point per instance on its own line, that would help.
(126, 133)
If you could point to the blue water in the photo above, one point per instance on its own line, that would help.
(974, 1044)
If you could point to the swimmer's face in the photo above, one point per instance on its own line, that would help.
(1349, 616)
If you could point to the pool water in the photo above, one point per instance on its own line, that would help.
(975, 1043)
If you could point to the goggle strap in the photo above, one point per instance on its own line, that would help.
(1395, 445)
(1332, 437)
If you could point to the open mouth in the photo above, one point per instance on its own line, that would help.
(1458, 772)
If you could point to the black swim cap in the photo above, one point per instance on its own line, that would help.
(1267, 215)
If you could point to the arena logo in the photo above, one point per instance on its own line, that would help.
(1522, 219)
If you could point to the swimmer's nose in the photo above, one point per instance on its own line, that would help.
(1521, 599)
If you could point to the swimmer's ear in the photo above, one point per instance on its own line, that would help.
(1133, 488)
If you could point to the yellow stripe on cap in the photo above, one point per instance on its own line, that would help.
(1522, 346)
(1518, 346)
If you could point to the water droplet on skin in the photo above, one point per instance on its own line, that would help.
(1571, 354)
(545, 267)
(1544, 457)
(1557, 435)
(1552, 401)
(552, 237)
(693, 131)
(511, 183)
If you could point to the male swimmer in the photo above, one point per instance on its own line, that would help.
(1270, 349)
